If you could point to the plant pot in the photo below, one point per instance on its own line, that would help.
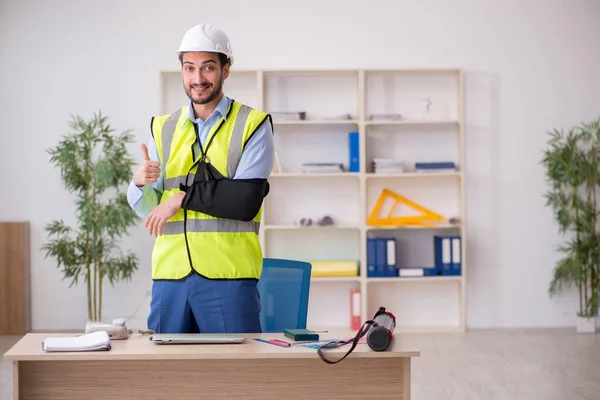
(586, 324)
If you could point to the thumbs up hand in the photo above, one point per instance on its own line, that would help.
(145, 152)
(148, 172)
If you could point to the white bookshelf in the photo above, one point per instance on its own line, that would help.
(420, 304)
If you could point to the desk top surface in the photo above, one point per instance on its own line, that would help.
(139, 347)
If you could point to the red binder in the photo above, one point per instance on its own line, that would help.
(355, 306)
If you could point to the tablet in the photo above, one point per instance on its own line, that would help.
(196, 338)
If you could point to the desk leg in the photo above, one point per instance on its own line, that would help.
(15, 380)
(406, 378)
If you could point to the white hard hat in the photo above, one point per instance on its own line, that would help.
(206, 37)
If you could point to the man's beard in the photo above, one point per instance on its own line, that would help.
(216, 91)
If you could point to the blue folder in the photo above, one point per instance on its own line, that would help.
(448, 255)
(353, 152)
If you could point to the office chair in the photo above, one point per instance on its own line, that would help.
(284, 287)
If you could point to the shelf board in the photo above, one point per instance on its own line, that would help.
(415, 70)
(336, 279)
(315, 175)
(411, 122)
(308, 228)
(316, 122)
(421, 227)
(454, 174)
(369, 175)
(309, 71)
(369, 122)
(416, 279)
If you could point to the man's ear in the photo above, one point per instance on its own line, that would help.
(226, 71)
(181, 64)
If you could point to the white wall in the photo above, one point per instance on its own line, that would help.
(530, 66)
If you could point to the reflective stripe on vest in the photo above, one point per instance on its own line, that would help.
(210, 225)
(173, 183)
(169, 128)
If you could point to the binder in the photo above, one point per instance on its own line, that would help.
(442, 255)
(353, 152)
(391, 266)
(381, 257)
(456, 256)
(355, 318)
(371, 258)
(447, 255)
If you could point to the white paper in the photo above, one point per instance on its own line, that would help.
(89, 342)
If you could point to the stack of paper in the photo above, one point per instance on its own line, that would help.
(91, 342)
(318, 343)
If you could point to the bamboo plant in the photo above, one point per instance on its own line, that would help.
(93, 163)
(572, 166)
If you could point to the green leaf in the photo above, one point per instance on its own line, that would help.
(122, 268)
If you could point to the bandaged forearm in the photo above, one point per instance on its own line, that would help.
(238, 199)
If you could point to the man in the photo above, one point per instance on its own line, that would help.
(207, 257)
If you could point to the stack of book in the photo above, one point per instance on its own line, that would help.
(289, 116)
(435, 167)
(334, 268)
(387, 166)
(320, 168)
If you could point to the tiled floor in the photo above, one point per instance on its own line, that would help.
(483, 365)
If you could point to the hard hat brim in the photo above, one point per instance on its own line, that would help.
(181, 51)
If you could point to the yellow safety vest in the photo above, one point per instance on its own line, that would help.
(215, 248)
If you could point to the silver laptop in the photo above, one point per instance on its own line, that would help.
(196, 338)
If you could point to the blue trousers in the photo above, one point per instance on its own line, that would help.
(197, 304)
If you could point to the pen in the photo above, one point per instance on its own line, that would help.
(274, 342)
(279, 343)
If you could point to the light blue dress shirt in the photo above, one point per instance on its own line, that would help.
(256, 160)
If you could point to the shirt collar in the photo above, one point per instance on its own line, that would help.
(221, 109)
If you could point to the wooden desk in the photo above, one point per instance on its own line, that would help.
(136, 368)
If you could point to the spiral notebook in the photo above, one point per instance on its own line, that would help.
(95, 341)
